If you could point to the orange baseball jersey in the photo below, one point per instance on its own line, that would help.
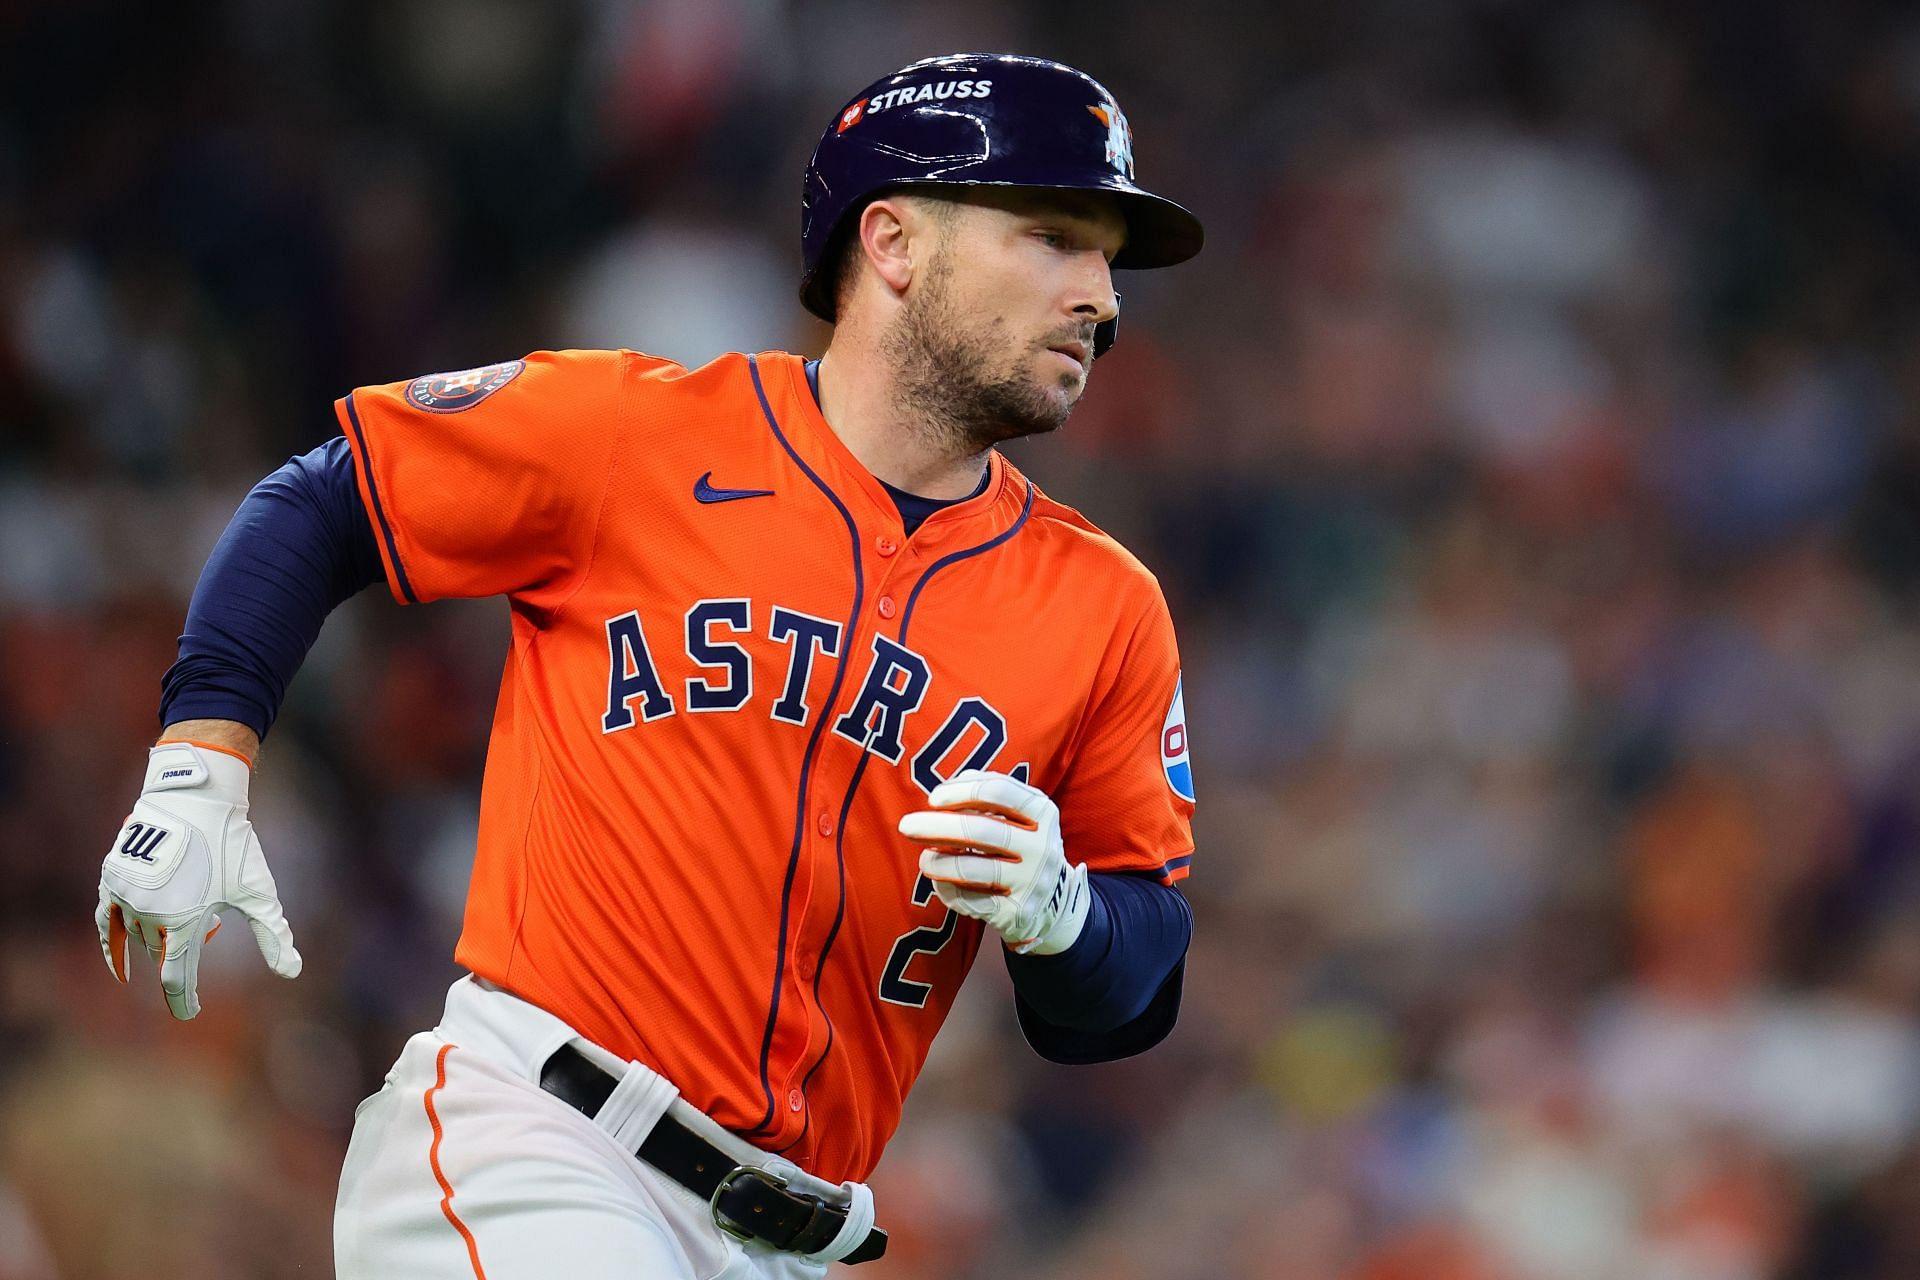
(731, 673)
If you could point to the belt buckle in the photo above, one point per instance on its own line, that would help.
(721, 1220)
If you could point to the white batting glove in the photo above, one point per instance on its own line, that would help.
(185, 854)
(994, 853)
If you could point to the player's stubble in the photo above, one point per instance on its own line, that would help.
(961, 383)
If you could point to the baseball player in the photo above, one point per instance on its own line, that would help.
(810, 693)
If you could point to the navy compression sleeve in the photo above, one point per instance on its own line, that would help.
(299, 544)
(1116, 990)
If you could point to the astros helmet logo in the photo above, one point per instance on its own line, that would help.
(851, 116)
(1119, 137)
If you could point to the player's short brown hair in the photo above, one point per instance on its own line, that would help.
(842, 256)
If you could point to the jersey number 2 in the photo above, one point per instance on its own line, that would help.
(895, 986)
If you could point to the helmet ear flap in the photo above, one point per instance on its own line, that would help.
(1107, 331)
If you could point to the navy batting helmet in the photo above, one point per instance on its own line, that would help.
(988, 119)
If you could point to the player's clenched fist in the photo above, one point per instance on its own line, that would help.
(993, 852)
(185, 854)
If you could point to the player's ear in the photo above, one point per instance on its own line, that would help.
(887, 240)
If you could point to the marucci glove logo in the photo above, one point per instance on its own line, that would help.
(141, 841)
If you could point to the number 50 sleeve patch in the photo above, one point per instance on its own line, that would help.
(1173, 745)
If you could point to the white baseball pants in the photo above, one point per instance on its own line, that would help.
(463, 1168)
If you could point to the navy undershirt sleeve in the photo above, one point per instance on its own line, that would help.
(299, 545)
(1116, 991)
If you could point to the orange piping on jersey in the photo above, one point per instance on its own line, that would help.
(433, 1158)
(208, 746)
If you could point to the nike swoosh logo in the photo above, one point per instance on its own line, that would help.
(704, 491)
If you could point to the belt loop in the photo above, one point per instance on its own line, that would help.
(636, 1105)
(853, 1232)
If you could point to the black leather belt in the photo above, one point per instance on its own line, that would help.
(748, 1202)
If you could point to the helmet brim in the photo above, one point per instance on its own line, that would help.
(1160, 232)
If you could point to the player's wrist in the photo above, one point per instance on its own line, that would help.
(1069, 918)
(227, 736)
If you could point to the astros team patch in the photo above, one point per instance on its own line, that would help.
(1173, 745)
(452, 392)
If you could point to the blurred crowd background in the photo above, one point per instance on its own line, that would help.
(1532, 462)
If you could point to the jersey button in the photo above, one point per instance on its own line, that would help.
(885, 545)
(794, 1100)
(887, 607)
(825, 823)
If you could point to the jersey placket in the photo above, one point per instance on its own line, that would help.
(888, 563)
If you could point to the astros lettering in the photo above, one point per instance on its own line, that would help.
(894, 687)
